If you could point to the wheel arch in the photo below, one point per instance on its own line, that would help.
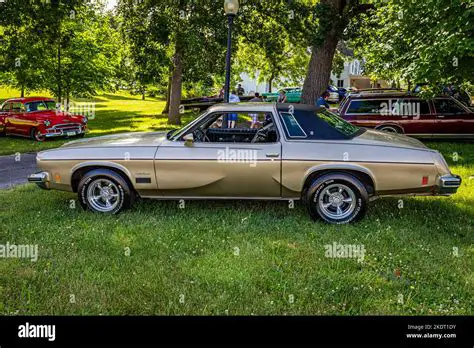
(391, 124)
(82, 169)
(359, 172)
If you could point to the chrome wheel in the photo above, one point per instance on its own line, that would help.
(337, 201)
(103, 195)
(389, 129)
(38, 136)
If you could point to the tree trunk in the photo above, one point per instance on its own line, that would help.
(58, 77)
(319, 70)
(270, 81)
(166, 110)
(143, 93)
(174, 116)
(22, 91)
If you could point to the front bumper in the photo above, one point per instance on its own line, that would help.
(66, 132)
(448, 184)
(42, 179)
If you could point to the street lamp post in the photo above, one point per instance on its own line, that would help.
(231, 7)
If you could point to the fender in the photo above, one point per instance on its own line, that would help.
(338, 166)
(101, 164)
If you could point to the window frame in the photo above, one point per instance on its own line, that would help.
(205, 119)
(459, 104)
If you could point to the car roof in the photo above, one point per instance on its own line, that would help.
(263, 106)
(244, 106)
(28, 99)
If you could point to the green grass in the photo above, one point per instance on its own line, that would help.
(191, 255)
(114, 113)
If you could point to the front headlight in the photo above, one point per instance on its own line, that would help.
(47, 123)
(84, 120)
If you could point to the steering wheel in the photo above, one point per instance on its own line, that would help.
(200, 135)
(261, 135)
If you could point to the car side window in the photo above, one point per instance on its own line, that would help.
(237, 127)
(447, 106)
(6, 107)
(17, 107)
(410, 107)
(374, 106)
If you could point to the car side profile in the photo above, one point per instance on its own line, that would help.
(405, 113)
(38, 118)
(271, 152)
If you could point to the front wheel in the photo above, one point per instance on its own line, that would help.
(105, 191)
(337, 198)
(37, 135)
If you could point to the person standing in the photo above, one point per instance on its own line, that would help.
(222, 92)
(281, 97)
(240, 90)
(255, 99)
(232, 118)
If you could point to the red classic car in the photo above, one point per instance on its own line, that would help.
(406, 113)
(38, 118)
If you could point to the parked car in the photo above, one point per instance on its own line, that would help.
(38, 118)
(296, 152)
(335, 95)
(406, 113)
(293, 95)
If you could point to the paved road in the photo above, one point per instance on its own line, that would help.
(14, 170)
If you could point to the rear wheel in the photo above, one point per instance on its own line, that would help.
(337, 198)
(105, 191)
(390, 129)
(37, 135)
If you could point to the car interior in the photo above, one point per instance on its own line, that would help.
(250, 127)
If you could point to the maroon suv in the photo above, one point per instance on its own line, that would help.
(402, 112)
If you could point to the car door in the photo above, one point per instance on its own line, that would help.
(4, 113)
(414, 115)
(452, 118)
(219, 169)
(18, 122)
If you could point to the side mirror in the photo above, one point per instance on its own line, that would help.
(188, 139)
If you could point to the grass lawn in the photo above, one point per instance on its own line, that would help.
(239, 258)
(114, 113)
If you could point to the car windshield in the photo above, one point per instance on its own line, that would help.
(341, 125)
(40, 105)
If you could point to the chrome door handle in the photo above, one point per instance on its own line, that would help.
(273, 154)
(440, 116)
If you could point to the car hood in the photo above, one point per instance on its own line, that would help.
(120, 140)
(374, 137)
(58, 117)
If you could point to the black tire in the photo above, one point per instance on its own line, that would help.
(92, 183)
(36, 135)
(326, 201)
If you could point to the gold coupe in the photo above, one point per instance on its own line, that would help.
(250, 151)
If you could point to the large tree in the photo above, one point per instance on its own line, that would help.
(426, 41)
(194, 34)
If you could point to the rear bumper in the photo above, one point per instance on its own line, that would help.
(42, 179)
(448, 184)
